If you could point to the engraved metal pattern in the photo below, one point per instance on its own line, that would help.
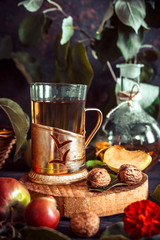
(57, 180)
(57, 151)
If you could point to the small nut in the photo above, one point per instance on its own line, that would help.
(129, 174)
(85, 224)
(98, 178)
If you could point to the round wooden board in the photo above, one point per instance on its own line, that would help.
(75, 198)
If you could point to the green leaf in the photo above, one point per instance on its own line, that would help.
(114, 183)
(108, 15)
(113, 175)
(110, 102)
(149, 94)
(61, 54)
(78, 68)
(153, 15)
(114, 237)
(5, 47)
(131, 13)
(156, 237)
(156, 194)
(129, 42)
(90, 164)
(33, 29)
(150, 54)
(90, 152)
(28, 65)
(17, 118)
(147, 71)
(107, 52)
(115, 229)
(67, 30)
(31, 5)
(41, 233)
(154, 108)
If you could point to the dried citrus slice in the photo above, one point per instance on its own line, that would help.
(117, 155)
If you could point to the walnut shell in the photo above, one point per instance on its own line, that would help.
(98, 178)
(129, 174)
(85, 224)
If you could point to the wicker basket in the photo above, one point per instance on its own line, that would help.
(7, 140)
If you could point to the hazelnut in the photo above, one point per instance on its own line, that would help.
(129, 174)
(85, 224)
(98, 178)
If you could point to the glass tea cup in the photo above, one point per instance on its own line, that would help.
(58, 132)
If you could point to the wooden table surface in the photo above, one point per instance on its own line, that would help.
(18, 169)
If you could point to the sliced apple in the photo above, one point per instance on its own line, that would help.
(117, 155)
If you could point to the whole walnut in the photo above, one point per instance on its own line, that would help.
(98, 178)
(85, 224)
(129, 174)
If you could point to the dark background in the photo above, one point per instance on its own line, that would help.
(88, 14)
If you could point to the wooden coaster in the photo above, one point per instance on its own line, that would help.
(75, 198)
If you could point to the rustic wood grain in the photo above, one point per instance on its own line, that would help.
(74, 198)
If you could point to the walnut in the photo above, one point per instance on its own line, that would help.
(85, 224)
(129, 174)
(98, 178)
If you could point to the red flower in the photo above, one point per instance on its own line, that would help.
(142, 219)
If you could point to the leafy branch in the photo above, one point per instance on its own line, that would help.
(58, 8)
(120, 34)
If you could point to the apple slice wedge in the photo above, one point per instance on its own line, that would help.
(117, 155)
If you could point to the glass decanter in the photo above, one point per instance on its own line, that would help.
(128, 124)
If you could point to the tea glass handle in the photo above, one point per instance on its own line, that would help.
(98, 124)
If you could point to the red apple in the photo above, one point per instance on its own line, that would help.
(14, 197)
(42, 212)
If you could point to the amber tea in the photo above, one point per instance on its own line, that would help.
(58, 132)
(67, 115)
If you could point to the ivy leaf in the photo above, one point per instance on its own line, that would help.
(67, 30)
(129, 42)
(5, 47)
(41, 233)
(28, 65)
(33, 29)
(17, 118)
(115, 230)
(31, 5)
(90, 164)
(131, 13)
